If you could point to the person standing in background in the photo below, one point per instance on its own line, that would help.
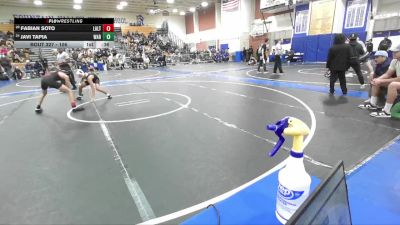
(338, 62)
(356, 52)
(262, 55)
(369, 45)
(370, 48)
(250, 53)
(385, 44)
(277, 59)
(244, 53)
(365, 58)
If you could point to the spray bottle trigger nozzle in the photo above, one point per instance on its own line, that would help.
(278, 128)
(271, 127)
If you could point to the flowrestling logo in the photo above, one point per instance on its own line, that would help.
(289, 194)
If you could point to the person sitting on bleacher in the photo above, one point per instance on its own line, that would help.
(15, 56)
(29, 69)
(290, 56)
(225, 56)
(3, 50)
(3, 75)
(390, 80)
(382, 65)
(45, 64)
(146, 61)
(18, 74)
(39, 70)
(5, 62)
(9, 34)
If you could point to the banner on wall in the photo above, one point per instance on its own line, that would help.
(265, 4)
(230, 5)
(301, 24)
(322, 16)
(230, 18)
(355, 13)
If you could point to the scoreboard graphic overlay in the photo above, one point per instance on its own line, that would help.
(64, 32)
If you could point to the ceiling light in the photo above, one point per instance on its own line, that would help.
(175, 10)
(192, 9)
(204, 4)
(120, 7)
(170, 1)
(78, 1)
(38, 2)
(123, 3)
(151, 11)
(182, 13)
(77, 7)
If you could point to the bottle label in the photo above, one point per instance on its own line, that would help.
(288, 201)
(289, 194)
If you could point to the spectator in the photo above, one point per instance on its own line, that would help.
(6, 64)
(250, 53)
(45, 64)
(3, 75)
(277, 60)
(244, 55)
(9, 34)
(290, 56)
(18, 74)
(338, 62)
(39, 70)
(389, 79)
(356, 52)
(382, 65)
(385, 44)
(369, 45)
(29, 69)
(262, 55)
(3, 50)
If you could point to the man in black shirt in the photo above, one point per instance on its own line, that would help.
(338, 63)
(356, 51)
(385, 44)
(262, 55)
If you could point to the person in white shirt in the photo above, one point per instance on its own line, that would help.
(278, 53)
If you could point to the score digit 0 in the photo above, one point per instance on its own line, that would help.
(108, 27)
(108, 36)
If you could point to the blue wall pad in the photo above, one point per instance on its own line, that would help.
(253, 205)
(311, 49)
(299, 44)
(374, 189)
(324, 44)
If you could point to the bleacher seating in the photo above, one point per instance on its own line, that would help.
(4, 27)
(146, 30)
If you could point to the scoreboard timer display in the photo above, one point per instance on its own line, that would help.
(64, 32)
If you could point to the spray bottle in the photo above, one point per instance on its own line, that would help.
(294, 181)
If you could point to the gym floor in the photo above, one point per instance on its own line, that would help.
(169, 139)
